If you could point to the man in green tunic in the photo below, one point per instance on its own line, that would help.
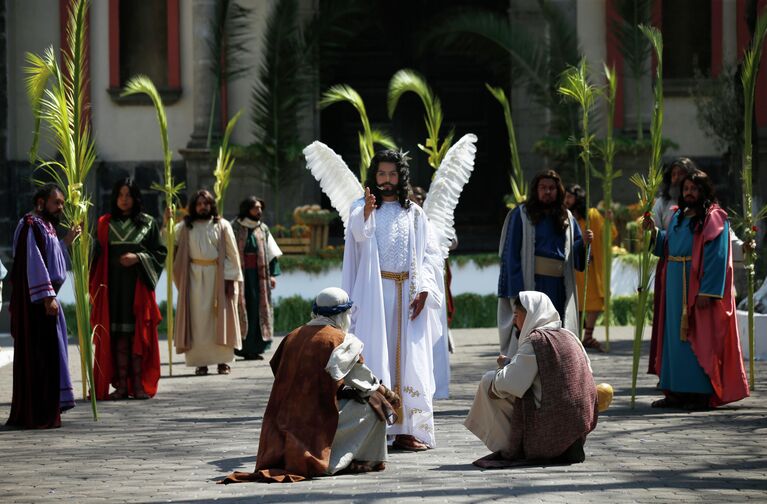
(259, 256)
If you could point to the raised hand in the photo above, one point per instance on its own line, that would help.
(370, 203)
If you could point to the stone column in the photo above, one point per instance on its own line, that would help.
(203, 11)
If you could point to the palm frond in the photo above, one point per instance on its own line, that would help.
(648, 188)
(405, 81)
(751, 62)
(342, 93)
(142, 84)
(59, 101)
(381, 138)
(516, 175)
(229, 43)
(224, 164)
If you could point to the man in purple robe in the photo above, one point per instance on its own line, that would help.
(42, 388)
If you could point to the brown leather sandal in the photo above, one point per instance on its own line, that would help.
(201, 371)
(224, 369)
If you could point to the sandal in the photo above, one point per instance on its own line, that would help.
(201, 371)
(593, 344)
(224, 369)
(118, 395)
(667, 402)
(408, 443)
(358, 467)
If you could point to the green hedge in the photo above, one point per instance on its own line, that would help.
(471, 310)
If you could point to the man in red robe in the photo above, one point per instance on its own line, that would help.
(698, 355)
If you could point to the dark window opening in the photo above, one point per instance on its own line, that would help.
(686, 28)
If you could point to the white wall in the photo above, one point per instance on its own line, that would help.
(130, 132)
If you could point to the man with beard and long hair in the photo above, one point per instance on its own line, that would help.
(42, 388)
(259, 257)
(127, 262)
(541, 247)
(207, 274)
(670, 192)
(393, 271)
(698, 356)
(594, 304)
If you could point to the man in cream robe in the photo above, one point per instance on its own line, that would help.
(518, 415)
(393, 271)
(207, 272)
(327, 412)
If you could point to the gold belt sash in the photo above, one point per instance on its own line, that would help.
(205, 262)
(683, 326)
(399, 279)
(549, 267)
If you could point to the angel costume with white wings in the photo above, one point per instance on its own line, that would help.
(411, 244)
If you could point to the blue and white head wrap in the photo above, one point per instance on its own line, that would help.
(331, 301)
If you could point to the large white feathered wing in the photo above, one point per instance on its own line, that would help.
(446, 188)
(335, 178)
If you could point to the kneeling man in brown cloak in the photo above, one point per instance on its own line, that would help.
(327, 413)
(541, 402)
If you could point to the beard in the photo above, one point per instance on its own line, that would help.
(54, 219)
(388, 190)
(695, 205)
(204, 215)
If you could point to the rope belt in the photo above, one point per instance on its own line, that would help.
(399, 279)
(205, 262)
(549, 267)
(683, 326)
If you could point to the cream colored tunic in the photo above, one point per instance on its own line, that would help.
(203, 245)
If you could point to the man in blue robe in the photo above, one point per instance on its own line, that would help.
(698, 354)
(541, 247)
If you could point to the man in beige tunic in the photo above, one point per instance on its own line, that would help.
(207, 274)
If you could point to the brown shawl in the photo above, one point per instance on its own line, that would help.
(568, 409)
(227, 325)
(265, 314)
(301, 417)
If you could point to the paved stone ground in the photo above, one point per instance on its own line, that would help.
(198, 429)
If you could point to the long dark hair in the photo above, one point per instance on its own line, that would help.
(707, 194)
(135, 193)
(247, 205)
(191, 207)
(580, 199)
(683, 162)
(403, 170)
(537, 210)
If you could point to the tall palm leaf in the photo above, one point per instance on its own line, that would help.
(277, 97)
(141, 84)
(224, 164)
(648, 188)
(608, 175)
(368, 137)
(516, 175)
(59, 101)
(750, 216)
(405, 81)
(575, 86)
(633, 45)
(229, 46)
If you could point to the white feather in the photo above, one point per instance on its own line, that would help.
(445, 189)
(335, 178)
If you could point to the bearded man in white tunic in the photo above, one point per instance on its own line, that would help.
(393, 271)
(207, 274)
